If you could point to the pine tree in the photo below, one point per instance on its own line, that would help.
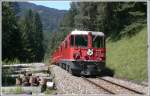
(11, 37)
(39, 51)
(32, 37)
(15, 7)
(26, 28)
(69, 19)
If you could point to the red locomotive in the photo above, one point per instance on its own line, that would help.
(81, 53)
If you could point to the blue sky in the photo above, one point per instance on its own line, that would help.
(61, 5)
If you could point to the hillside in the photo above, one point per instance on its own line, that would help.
(128, 56)
(50, 17)
(121, 22)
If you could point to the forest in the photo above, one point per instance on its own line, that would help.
(22, 38)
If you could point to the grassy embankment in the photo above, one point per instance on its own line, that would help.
(128, 56)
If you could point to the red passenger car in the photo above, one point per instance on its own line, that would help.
(81, 53)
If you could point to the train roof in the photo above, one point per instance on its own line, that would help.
(86, 32)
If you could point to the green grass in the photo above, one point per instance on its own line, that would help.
(8, 62)
(128, 56)
(50, 91)
(15, 90)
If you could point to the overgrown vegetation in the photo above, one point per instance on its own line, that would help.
(128, 56)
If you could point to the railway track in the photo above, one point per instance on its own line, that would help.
(101, 87)
(130, 89)
(107, 89)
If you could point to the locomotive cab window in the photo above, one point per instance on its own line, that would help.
(61, 48)
(72, 40)
(97, 41)
(66, 44)
(81, 40)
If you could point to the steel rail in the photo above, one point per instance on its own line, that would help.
(98, 85)
(122, 86)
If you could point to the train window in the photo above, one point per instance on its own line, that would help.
(81, 40)
(61, 48)
(72, 40)
(66, 44)
(97, 41)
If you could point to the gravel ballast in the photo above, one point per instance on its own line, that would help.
(68, 84)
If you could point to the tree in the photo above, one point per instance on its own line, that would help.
(11, 37)
(68, 23)
(32, 37)
(39, 51)
(15, 7)
(26, 28)
(86, 17)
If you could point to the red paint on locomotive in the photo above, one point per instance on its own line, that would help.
(70, 51)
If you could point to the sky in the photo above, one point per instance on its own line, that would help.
(61, 5)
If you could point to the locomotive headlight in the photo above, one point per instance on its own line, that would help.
(86, 57)
(76, 55)
(90, 52)
(99, 59)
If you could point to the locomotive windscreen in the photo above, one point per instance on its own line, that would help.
(80, 40)
(97, 41)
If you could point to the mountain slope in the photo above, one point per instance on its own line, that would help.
(50, 17)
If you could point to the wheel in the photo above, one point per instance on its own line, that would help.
(63, 65)
(70, 70)
(66, 67)
(60, 64)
